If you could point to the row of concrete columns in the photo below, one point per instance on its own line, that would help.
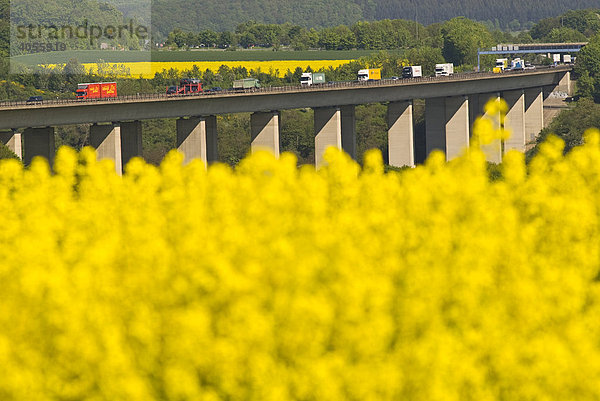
(449, 122)
(119, 142)
(448, 125)
(334, 126)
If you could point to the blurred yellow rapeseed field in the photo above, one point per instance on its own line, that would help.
(269, 282)
(148, 69)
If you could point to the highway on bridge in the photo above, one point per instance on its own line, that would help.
(15, 115)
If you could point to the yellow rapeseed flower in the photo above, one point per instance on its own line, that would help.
(269, 282)
(279, 67)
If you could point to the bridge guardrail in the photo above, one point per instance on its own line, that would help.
(281, 89)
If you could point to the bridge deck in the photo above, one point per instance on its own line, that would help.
(147, 106)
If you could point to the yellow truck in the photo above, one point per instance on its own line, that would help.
(370, 74)
(501, 65)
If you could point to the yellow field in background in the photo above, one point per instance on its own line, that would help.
(148, 69)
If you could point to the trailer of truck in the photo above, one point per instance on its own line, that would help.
(312, 78)
(444, 70)
(370, 74)
(246, 83)
(414, 71)
(96, 90)
(556, 59)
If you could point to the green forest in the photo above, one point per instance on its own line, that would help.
(220, 15)
(227, 15)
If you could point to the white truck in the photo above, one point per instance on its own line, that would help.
(312, 78)
(567, 58)
(556, 59)
(369, 74)
(413, 71)
(444, 70)
(517, 64)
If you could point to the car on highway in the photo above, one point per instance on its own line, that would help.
(34, 100)
(214, 90)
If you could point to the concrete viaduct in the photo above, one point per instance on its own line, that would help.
(451, 106)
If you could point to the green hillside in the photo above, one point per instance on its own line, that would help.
(222, 15)
(227, 15)
(75, 25)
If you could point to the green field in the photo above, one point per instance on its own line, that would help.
(93, 56)
(258, 55)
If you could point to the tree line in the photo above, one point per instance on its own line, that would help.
(573, 26)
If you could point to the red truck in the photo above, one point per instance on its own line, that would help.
(96, 90)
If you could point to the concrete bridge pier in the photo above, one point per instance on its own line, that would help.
(564, 85)
(349, 130)
(106, 139)
(334, 126)
(477, 102)
(328, 131)
(493, 150)
(447, 125)
(515, 120)
(131, 141)
(457, 126)
(534, 113)
(38, 142)
(197, 138)
(264, 128)
(13, 141)
(118, 141)
(401, 150)
(435, 125)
